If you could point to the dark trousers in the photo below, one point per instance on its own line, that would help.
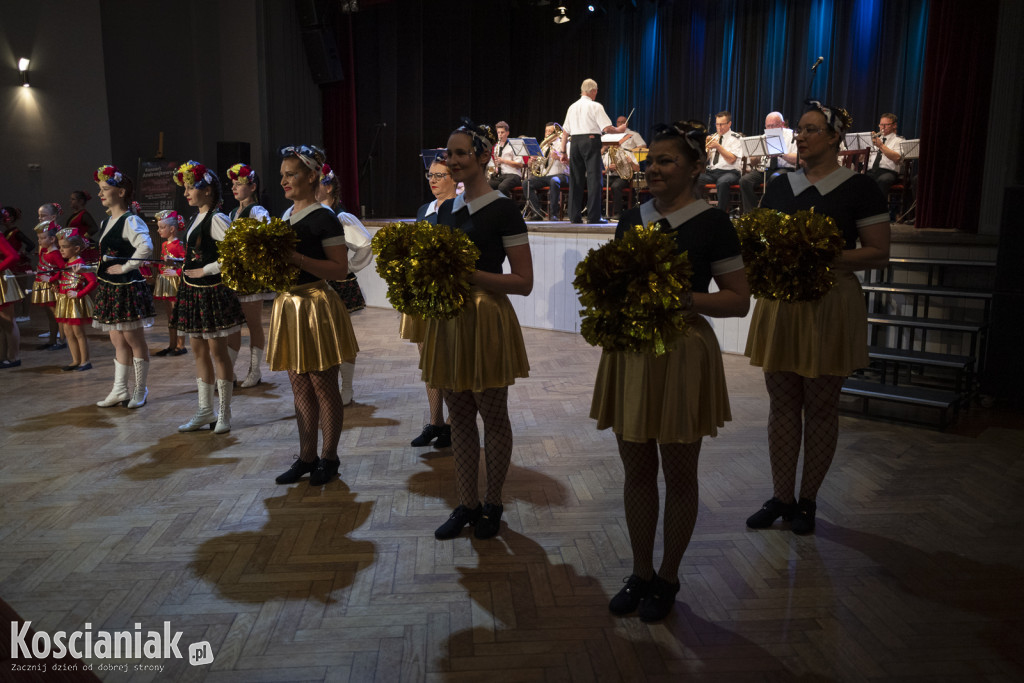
(749, 183)
(585, 166)
(722, 178)
(617, 186)
(505, 183)
(554, 183)
(884, 177)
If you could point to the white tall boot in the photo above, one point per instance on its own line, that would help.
(255, 375)
(233, 355)
(141, 392)
(347, 372)
(119, 394)
(204, 415)
(224, 388)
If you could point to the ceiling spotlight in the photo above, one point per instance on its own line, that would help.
(23, 68)
(590, 8)
(561, 17)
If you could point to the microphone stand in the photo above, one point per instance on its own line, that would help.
(368, 164)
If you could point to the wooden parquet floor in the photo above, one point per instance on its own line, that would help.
(111, 517)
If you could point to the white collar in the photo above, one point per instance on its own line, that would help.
(296, 217)
(476, 204)
(798, 181)
(651, 215)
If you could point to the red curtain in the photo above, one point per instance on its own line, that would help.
(955, 101)
(339, 103)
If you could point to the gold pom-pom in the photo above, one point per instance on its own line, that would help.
(252, 256)
(426, 267)
(634, 292)
(789, 257)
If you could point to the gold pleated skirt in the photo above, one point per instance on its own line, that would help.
(73, 311)
(10, 290)
(310, 330)
(481, 348)
(412, 328)
(43, 294)
(678, 397)
(813, 338)
(166, 287)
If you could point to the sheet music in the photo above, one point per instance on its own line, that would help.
(855, 141)
(910, 149)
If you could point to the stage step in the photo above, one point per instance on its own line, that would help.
(910, 395)
(942, 360)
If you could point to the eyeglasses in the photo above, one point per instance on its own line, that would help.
(809, 130)
(436, 176)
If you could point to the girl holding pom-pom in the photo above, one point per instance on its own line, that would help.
(74, 305)
(123, 301)
(168, 281)
(245, 186)
(310, 330)
(206, 310)
(474, 357)
(808, 348)
(669, 402)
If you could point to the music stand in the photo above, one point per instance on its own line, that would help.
(525, 147)
(910, 150)
(429, 156)
(858, 141)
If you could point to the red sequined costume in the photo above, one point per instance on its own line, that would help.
(43, 291)
(169, 279)
(74, 305)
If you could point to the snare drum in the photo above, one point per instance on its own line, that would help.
(639, 181)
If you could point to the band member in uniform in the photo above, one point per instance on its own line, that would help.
(552, 175)
(884, 158)
(613, 158)
(632, 139)
(777, 165)
(725, 159)
(506, 168)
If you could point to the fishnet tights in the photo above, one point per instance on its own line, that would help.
(640, 496)
(463, 406)
(317, 407)
(801, 409)
(434, 399)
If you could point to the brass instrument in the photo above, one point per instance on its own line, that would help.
(539, 165)
(623, 167)
(496, 169)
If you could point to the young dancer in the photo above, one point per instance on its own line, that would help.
(245, 187)
(44, 293)
(123, 301)
(74, 305)
(168, 281)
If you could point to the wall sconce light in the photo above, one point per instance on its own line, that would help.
(23, 68)
(561, 17)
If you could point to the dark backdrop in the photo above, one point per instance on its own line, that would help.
(419, 65)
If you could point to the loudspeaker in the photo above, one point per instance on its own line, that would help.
(318, 19)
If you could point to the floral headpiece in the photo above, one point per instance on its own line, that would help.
(311, 157)
(482, 135)
(108, 174)
(169, 216)
(57, 208)
(326, 175)
(243, 173)
(192, 174)
(837, 118)
(136, 208)
(47, 226)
